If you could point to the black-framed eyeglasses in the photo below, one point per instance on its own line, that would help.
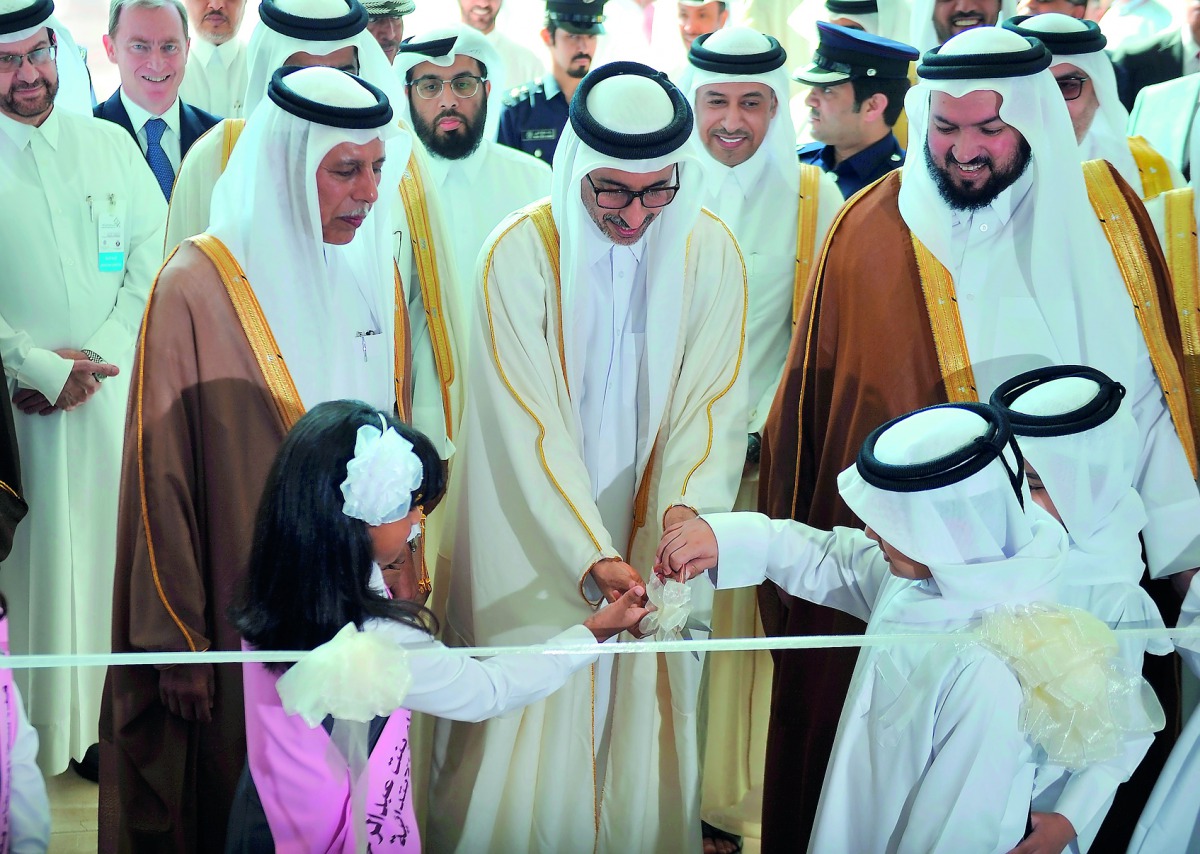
(1071, 87)
(615, 200)
(40, 57)
(462, 85)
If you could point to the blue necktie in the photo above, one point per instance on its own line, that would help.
(157, 158)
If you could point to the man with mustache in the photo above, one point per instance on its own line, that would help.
(454, 110)
(148, 41)
(936, 21)
(535, 114)
(519, 62)
(216, 66)
(858, 84)
(606, 397)
(973, 265)
(386, 23)
(289, 298)
(80, 234)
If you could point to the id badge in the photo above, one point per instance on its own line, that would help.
(110, 238)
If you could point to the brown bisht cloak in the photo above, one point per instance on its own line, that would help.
(868, 355)
(202, 429)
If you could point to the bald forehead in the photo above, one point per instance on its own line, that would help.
(734, 89)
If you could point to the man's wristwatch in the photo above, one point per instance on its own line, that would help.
(93, 356)
(753, 449)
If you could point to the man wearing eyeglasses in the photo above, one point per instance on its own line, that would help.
(607, 400)
(81, 237)
(454, 111)
(1085, 77)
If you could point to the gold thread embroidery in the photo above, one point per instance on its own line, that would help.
(741, 346)
(412, 190)
(543, 219)
(1130, 253)
(402, 362)
(806, 231)
(9, 490)
(949, 340)
(1181, 251)
(229, 136)
(487, 302)
(254, 324)
(1152, 167)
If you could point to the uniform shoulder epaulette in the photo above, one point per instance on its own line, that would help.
(524, 92)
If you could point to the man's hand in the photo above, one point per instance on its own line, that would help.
(677, 515)
(623, 615)
(1051, 834)
(614, 577)
(33, 402)
(187, 691)
(685, 551)
(81, 384)
(404, 576)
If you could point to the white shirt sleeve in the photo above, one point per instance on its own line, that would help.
(461, 688)
(29, 807)
(841, 568)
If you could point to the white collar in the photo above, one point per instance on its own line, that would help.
(1005, 204)
(206, 50)
(598, 248)
(469, 167)
(138, 116)
(20, 133)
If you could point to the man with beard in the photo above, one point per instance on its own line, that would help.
(607, 400)
(535, 114)
(80, 245)
(452, 106)
(386, 23)
(1088, 84)
(973, 267)
(933, 22)
(216, 67)
(519, 62)
(858, 84)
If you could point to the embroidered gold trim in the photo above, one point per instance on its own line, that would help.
(232, 129)
(741, 345)
(543, 219)
(806, 231)
(402, 355)
(254, 324)
(1121, 230)
(141, 463)
(9, 490)
(1181, 250)
(487, 302)
(1152, 167)
(412, 190)
(949, 340)
(812, 320)
(641, 501)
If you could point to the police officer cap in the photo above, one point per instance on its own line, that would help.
(849, 54)
(582, 17)
(389, 8)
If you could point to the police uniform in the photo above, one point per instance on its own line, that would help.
(843, 55)
(535, 114)
(533, 118)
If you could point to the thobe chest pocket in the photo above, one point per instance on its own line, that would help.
(892, 702)
(370, 346)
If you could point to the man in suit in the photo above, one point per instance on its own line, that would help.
(1165, 114)
(148, 42)
(1160, 58)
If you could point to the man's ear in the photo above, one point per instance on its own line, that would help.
(547, 37)
(110, 48)
(874, 107)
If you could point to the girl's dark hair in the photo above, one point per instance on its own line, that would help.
(310, 565)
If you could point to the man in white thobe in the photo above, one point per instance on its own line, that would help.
(737, 83)
(81, 247)
(934, 22)
(216, 67)
(599, 409)
(520, 64)
(454, 108)
(1089, 86)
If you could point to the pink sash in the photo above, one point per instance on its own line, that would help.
(8, 726)
(304, 783)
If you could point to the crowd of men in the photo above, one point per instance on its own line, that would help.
(666, 266)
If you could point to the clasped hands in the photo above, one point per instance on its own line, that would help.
(81, 384)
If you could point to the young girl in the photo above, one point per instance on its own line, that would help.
(343, 498)
(1081, 456)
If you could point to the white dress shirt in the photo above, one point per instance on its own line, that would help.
(215, 77)
(171, 140)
